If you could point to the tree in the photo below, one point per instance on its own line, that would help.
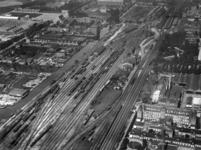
(76, 61)
(115, 15)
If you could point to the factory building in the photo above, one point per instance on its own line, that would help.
(111, 2)
(18, 92)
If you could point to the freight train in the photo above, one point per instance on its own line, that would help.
(75, 87)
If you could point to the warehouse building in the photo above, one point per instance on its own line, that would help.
(18, 92)
(111, 2)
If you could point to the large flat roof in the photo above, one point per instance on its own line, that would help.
(17, 92)
(192, 81)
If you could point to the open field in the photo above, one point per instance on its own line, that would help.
(5, 3)
(105, 100)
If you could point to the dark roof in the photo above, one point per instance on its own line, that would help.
(187, 130)
(139, 123)
(136, 132)
(17, 92)
(80, 15)
(192, 81)
(166, 100)
(171, 147)
(154, 142)
(133, 144)
(144, 0)
(197, 142)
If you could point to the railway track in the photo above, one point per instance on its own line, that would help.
(56, 100)
(72, 119)
(97, 143)
(111, 139)
(64, 91)
(91, 96)
(24, 109)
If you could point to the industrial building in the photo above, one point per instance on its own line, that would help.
(191, 100)
(190, 81)
(172, 117)
(95, 29)
(111, 2)
(10, 25)
(18, 92)
(82, 17)
(176, 123)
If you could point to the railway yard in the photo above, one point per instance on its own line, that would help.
(61, 116)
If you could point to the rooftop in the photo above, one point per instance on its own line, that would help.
(17, 92)
(192, 81)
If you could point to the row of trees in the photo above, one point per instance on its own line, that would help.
(10, 42)
(29, 51)
(167, 48)
(172, 40)
(36, 28)
(115, 13)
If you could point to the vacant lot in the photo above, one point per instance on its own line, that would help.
(105, 100)
(4, 3)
